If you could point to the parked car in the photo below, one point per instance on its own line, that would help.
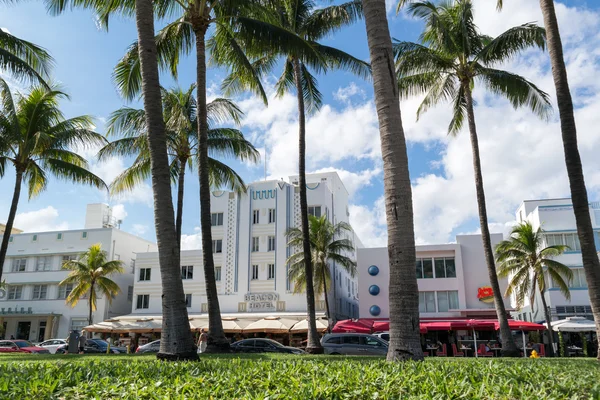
(52, 344)
(20, 346)
(354, 344)
(152, 347)
(383, 335)
(263, 346)
(94, 346)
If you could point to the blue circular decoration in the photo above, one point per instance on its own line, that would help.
(373, 270)
(374, 290)
(375, 310)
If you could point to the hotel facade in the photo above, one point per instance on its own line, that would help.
(250, 252)
(557, 219)
(32, 306)
(453, 280)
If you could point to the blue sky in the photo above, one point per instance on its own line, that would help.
(343, 136)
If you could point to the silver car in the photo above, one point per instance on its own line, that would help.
(354, 344)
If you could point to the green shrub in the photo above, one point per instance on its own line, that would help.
(295, 377)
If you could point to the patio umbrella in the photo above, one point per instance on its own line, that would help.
(353, 326)
(302, 326)
(384, 326)
(234, 325)
(573, 324)
(271, 325)
(198, 323)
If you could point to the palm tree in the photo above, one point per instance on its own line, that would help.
(405, 343)
(326, 247)
(180, 118)
(524, 259)
(579, 196)
(310, 24)
(24, 60)
(453, 56)
(176, 339)
(37, 139)
(89, 276)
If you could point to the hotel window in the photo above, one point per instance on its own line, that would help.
(71, 257)
(315, 211)
(187, 272)
(216, 219)
(271, 243)
(65, 290)
(84, 235)
(254, 272)
(19, 264)
(427, 302)
(77, 324)
(217, 246)
(143, 301)
(424, 267)
(10, 239)
(15, 292)
(255, 216)
(145, 274)
(59, 236)
(271, 215)
(34, 238)
(188, 300)
(567, 239)
(255, 244)
(129, 293)
(447, 300)
(43, 264)
(217, 274)
(271, 271)
(445, 268)
(578, 279)
(40, 292)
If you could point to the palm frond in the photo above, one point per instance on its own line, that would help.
(511, 42)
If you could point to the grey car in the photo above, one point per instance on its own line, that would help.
(354, 344)
(152, 347)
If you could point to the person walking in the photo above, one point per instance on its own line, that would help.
(82, 340)
(202, 341)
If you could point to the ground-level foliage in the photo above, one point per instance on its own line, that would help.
(294, 377)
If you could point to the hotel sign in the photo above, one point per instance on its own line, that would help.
(485, 294)
(261, 301)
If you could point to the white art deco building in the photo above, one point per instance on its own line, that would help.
(250, 252)
(557, 219)
(33, 305)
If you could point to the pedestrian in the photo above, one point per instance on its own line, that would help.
(12, 337)
(202, 341)
(82, 340)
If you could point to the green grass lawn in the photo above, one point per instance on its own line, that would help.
(293, 377)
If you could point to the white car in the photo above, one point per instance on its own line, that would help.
(52, 344)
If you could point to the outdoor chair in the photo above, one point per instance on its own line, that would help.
(443, 352)
(457, 353)
(425, 354)
(542, 350)
(482, 353)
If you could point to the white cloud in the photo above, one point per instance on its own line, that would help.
(192, 241)
(345, 94)
(354, 181)
(139, 229)
(369, 223)
(42, 220)
(118, 212)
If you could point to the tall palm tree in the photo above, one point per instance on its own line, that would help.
(405, 343)
(90, 275)
(579, 197)
(37, 140)
(180, 117)
(326, 246)
(453, 57)
(190, 31)
(24, 60)
(524, 259)
(310, 23)
(176, 339)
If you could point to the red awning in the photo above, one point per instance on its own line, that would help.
(516, 325)
(357, 326)
(459, 325)
(384, 326)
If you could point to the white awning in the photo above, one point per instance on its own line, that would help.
(573, 324)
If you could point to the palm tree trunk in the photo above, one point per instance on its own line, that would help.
(509, 348)
(313, 344)
(11, 218)
(90, 322)
(405, 343)
(329, 319)
(579, 196)
(217, 342)
(180, 189)
(176, 339)
(548, 324)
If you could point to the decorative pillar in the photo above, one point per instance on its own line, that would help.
(49, 327)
